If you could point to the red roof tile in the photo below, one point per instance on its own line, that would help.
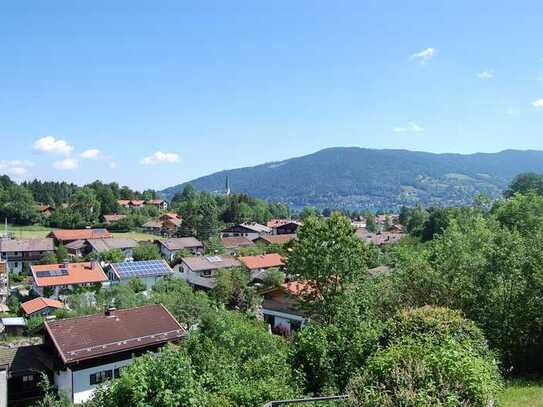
(37, 304)
(262, 261)
(77, 234)
(76, 273)
(278, 239)
(97, 335)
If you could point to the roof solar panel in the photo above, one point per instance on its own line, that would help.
(142, 268)
(52, 273)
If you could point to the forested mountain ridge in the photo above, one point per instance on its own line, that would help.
(356, 178)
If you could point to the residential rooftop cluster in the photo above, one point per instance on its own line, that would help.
(94, 348)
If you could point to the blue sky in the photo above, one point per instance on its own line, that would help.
(150, 94)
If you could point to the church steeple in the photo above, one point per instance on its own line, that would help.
(227, 187)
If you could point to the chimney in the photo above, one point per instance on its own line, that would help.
(109, 310)
(92, 264)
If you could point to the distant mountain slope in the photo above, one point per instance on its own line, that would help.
(355, 178)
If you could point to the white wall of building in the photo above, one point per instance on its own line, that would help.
(82, 389)
(283, 318)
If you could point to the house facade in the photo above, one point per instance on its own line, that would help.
(207, 266)
(125, 245)
(251, 231)
(18, 252)
(170, 247)
(233, 244)
(281, 307)
(65, 236)
(40, 306)
(92, 349)
(257, 265)
(283, 226)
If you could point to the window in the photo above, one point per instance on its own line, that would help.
(117, 372)
(269, 319)
(295, 325)
(29, 382)
(100, 377)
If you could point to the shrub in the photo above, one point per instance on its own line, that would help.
(425, 374)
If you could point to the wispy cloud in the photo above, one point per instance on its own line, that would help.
(50, 144)
(485, 75)
(66, 164)
(538, 103)
(424, 56)
(92, 154)
(15, 168)
(160, 157)
(410, 128)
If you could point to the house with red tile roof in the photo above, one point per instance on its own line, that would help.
(40, 306)
(281, 306)
(91, 349)
(49, 280)
(233, 243)
(262, 261)
(276, 239)
(64, 236)
(157, 203)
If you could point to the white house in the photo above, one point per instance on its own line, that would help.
(251, 231)
(20, 251)
(49, 280)
(92, 349)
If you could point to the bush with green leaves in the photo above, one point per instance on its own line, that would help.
(137, 285)
(428, 357)
(146, 252)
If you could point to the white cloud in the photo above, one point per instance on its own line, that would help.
(66, 164)
(92, 153)
(15, 168)
(50, 144)
(410, 128)
(424, 55)
(160, 157)
(538, 103)
(485, 75)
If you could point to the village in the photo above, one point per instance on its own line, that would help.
(79, 353)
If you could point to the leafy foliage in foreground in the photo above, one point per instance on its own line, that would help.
(430, 357)
(230, 361)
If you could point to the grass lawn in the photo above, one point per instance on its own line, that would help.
(522, 393)
(39, 232)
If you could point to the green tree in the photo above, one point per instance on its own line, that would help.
(307, 212)
(525, 183)
(61, 253)
(371, 224)
(274, 278)
(146, 252)
(329, 256)
(428, 356)
(137, 285)
(186, 305)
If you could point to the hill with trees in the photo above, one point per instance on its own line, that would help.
(359, 178)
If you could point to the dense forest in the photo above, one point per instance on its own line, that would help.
(75, 206)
